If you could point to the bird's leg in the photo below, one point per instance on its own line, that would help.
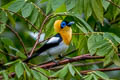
(53, 59)
(61, 56)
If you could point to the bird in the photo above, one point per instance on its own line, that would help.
(57, 44)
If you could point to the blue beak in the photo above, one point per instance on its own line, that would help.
(70, 23)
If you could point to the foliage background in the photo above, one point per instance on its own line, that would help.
(97, 32)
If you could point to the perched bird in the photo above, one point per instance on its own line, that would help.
(57, 44)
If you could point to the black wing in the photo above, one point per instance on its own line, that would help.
(52, 42)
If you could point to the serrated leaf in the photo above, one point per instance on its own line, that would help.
(19, 69)
(101, 75)
(17, 5)
(98, 9)
(27, 10)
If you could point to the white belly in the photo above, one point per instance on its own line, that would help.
(60, 49)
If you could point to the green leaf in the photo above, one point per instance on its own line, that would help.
(42, 1)
(27, 10)
(62, 73)
(89, 77)
(36, 74)
(98, 9)
(56, 4)
(7, 41)
(2, 28)
(27, 70)
(12, 62)
(101, 75)
(70, 4)
(105, 4)
(72, 71)
(49, 7)
(87, 9)
(11, 19)
(16, 6)
(19, 69)
(116, 59)
(62, 8)
(18, 53)
(3, 19)
(108, 58)
(5, 75)
(34, 16)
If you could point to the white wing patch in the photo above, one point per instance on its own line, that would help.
(53, 39)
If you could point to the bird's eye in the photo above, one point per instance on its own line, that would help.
(63, 24)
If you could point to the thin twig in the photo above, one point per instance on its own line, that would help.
(37, 41)
(40, 10)
(17, 35)
(35, 27)
(113, 3)
(103, 70)
(59, 57)
(77, 65)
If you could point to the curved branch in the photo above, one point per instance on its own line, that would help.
(40, 31)
(17, 35)
(74, 59)
(22, 18)
(103, 70)
(113, 3)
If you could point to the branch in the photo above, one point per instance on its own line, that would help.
(103, 70)
(77, 65)
(21, 17)
(17, 35)
(113, 3)
(74, 59)
(37, 41)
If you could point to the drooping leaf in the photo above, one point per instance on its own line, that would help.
(17, 5)
(87, 9)
(97, 9)
(19, 69)
(56, 4)
(18, 53)
(70, 4)
(36, 74)
(34, 16)
(27, 10)
(101, 75)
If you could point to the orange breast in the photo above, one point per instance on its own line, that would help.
(66, 36)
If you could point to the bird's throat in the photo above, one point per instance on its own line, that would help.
(66, 36)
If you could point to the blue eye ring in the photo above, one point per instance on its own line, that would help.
(63, 24)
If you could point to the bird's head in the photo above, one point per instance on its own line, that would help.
(61, 25)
